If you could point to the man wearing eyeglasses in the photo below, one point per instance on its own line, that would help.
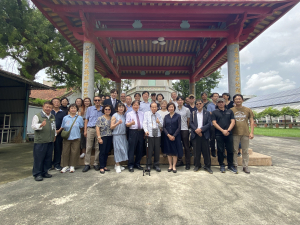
(92, 114)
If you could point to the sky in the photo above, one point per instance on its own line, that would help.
(269, 64)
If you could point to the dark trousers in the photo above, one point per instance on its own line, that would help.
(153, 145)
(162, 141)
(227, 142)
(42, 158)
(185, 143)
(104, 148)
(212, 139)
(135, 145)
(58, 144)
(200, 145)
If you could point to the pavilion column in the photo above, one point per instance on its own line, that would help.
(193, 86)
(88, 68)
(118, 87)
(233, 59)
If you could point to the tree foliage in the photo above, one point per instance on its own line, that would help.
(125, 85)
(103, 85)
(288, 111)
(205, 84)
(270, 112)
(31, 40)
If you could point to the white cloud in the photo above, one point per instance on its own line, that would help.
(246, 56)
(269, 81)
(291, 62)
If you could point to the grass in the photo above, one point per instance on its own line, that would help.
(277, 132)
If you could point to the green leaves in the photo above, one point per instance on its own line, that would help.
(205, 84)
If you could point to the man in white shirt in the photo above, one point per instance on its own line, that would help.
(44, 127)
(200, 126)
(173, 98)
(184, 112)
(151, 125)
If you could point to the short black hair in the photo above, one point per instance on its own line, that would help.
(212, 94)
(137, 94)
(64, 99)
(54, 99)
(198, 100)
(169, 104)
(72, 105)
(160, 95)
(135, 101)
(114, 90)
(203, 93)
(225, 93)
(47, 103)
(180, 97)
(101, 95)
(144, 92)
(103, 108)
(153, 94)
(96, 97)
(236, 95)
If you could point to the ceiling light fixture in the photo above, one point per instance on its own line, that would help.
(137, 24)
(185, 24)
(167, 73)
(160, 40)
(143, 73)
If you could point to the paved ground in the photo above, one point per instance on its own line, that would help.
(268, 195)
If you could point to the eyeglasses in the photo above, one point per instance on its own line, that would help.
(97, 100)
(107, 109)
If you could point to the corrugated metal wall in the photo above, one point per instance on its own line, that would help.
(32, 110)
(12, 101)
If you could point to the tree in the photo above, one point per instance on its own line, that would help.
(31, 40)
(103, 85)
(125, 85)
(287, 111)
(205, 84)
(271, 112)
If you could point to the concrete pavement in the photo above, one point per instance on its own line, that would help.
(268, 195)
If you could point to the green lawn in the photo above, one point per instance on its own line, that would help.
(277, 132)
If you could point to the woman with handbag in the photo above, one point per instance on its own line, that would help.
(71, 124)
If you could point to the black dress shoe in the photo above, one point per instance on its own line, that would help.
(131, 170)
(207, 169)
(157, 168)
(187, 167)
(47, 175)
(86, 168)
(97, 167)
(196, 168)
(106, 169)
(139, 167)
(170, 170)
(213, 154)
(102, 171)
(38, 178)
(174, 171)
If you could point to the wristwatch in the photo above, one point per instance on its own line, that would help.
(98, 137)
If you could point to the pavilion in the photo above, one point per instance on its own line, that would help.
(161, 39)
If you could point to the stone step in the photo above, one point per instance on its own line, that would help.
(255, 159)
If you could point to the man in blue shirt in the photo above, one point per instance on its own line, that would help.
(128, 104)
(59, 115)
(210, 108)
(145, 105)
(92, 114)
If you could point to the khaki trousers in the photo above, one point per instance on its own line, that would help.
(70, 152)
(90, 138)
(245, 145)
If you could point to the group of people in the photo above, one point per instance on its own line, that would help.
(136, 128)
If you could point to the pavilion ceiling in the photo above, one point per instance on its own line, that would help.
(123, 52)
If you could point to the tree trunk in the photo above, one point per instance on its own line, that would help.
(271, 125)
(284, 122)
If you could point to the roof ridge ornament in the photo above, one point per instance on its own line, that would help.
(137, 24)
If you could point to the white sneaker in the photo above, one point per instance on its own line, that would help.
(118, 169)
(65, 169)
(122, 167)
(72, 169)
(82, 155)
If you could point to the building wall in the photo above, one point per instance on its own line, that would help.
(32, 110)
(12, 101)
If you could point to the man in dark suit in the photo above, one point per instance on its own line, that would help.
(200, 122)
(112, 101)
